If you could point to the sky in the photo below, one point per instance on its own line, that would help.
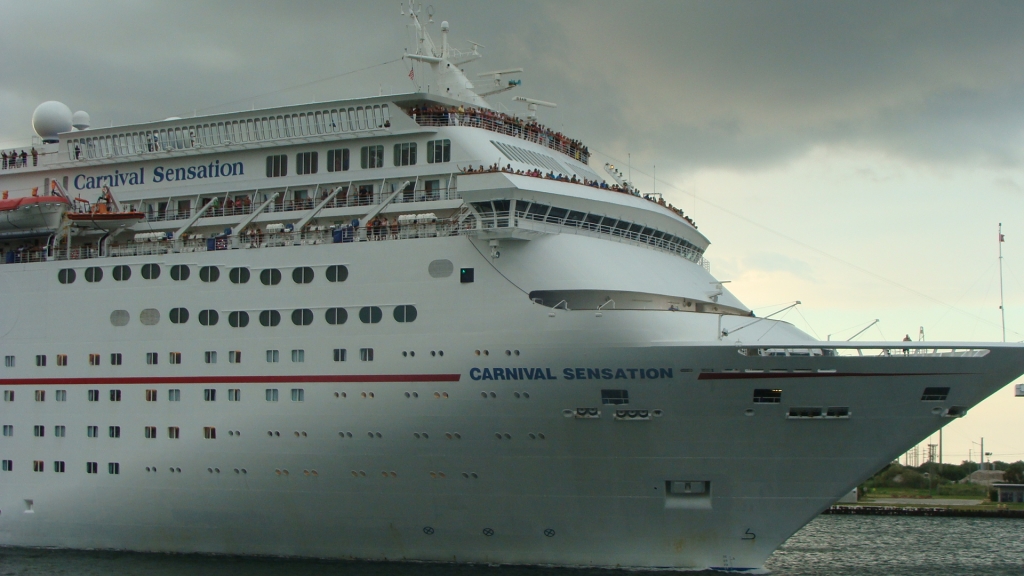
(855, 156)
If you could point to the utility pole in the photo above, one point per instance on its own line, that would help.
(940, 447)
(982, 452)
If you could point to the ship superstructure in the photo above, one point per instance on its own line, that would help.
(412, 327)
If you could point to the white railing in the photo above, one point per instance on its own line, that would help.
(529, 132)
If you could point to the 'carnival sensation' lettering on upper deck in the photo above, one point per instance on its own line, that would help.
(160, 174)
(571, 373)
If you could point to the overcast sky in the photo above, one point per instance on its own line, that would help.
(855, 156)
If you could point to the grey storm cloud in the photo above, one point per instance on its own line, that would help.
(690, 84)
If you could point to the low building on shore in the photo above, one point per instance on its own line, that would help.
(983, 477)
(1009, 492)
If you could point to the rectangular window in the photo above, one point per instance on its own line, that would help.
(114, 431)
(94, 395)
(337, 160)
(298, 395)
(37, 465)
(150, 395)
(152, 358)
(439, 151)
(405, 154)
(235, 357)
(273, 356)
(234, 395)
(115, 395)
(277, 166)
(91, 468)
(60, 431)
(40, 359)
(935, 394)
(40, 395)
(61, 395)
(371, 156)
(271, 394)
(113, 468)
(58, 466)
(150, 431)
(92, 431)
(173, 432)
(306, 163)
(39, 431)
(811, 412)
(340, 355)
(767, 396)
(94, 359)
(8, 429)
(175, 358)
(366, 354)
(298, 355)
(115, 359)
(209, 432)
(211, 356)
(174, 395)
(62, 359)
(9, 361)
(210, 395)
(8, 395)
(8, 465)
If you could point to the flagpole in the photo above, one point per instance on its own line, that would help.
(1002, 309)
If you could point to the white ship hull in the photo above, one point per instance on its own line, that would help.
(592, 492)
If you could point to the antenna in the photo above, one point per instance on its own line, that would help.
(1002, 309)
(531, 105)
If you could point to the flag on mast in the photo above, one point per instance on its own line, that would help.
(1002, 237)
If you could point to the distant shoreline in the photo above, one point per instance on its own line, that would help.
(939, 511)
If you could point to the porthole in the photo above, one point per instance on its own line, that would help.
(405, 313)
(370, 314)
(66, 276)
(302, 317)
(239, 275)
(270, 318)
(238, 319)
(149, 317)
(119, 317)
(93, 274)
(337, 273)
(270, 277)
(180, 272)
(335, 316)
(208, 317)
(209, 273)
(302, 275)
(150, 271)
(121, 273)
(178, 315)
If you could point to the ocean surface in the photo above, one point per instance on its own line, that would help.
(830, 545)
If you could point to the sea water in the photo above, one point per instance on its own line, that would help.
(830, 545)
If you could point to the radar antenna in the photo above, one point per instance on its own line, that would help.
(496, 74)
(531, 105)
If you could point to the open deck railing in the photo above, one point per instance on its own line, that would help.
(527, 132)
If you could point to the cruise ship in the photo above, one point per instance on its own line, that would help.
(411, 327)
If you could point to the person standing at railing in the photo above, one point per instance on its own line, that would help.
(5, 159)
(24, 159)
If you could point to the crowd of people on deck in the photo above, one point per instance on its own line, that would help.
(535, 173)
(528, 129)
(14, 159)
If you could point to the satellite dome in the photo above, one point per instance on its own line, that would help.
(51, 118)
(444, 26)
(80, 120)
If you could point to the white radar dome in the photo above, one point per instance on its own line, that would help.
(51, 118)
(80, 120)
(444, 26)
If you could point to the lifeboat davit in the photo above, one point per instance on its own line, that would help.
(31, 216)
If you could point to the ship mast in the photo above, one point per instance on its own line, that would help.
(1002, 308)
